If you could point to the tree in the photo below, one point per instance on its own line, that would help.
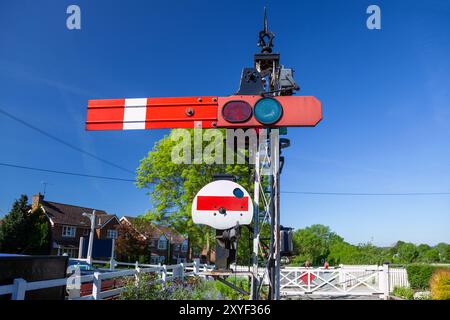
(431, 256)
(343, 253)
(173, 186)
(23, 231)
(444, 251)
(39, 233)
(422, 249)
(130, 246)
(407, 252)
(313, 243)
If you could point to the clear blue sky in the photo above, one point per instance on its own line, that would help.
(385, 95)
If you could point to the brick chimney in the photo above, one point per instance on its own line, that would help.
(36, 201)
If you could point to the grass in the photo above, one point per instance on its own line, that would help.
(404, 293)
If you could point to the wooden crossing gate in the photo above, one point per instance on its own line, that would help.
(340, 281)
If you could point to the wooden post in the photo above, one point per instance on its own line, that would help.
(309, 280)
(163, 275)
(343, 277)
(80, 248)
(181, 271)
(112, 262)
(196, 266)
(19, 289)
(384, 281)
(136, 275)
(91, 237)
(97, 286)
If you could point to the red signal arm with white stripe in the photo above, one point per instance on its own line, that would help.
(189, 112)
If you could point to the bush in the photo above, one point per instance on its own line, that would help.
(206, 290)
(144, 290)
(148, 289)
(440, 285)
(419, 275)
(405, 293)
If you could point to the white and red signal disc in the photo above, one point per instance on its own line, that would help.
(222, 205)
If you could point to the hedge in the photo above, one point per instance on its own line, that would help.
(419, 275)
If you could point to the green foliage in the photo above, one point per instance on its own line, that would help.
(405, 293)
(129, 245)
(444, 251)
(145, 289)
(173, 187)
(406, 252)
(440, 284)
(39, 233)
(419, 275)
(318, 243)
(23, 231)
(206, 290)
(230, 293)
(430, 256)
(313, 243)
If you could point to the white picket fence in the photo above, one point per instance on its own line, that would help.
(357, 280)
(164, 273)
(398, 278)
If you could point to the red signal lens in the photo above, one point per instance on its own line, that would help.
(237, 111)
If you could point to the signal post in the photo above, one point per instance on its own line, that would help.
(264, 101)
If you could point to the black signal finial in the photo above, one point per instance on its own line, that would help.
(266, 28)
(266, 36)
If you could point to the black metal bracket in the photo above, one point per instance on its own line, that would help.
(233, 286)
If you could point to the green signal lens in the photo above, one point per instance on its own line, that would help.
(268, 111)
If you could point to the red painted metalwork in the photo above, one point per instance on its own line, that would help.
(229, 203)
(160, 113)
(189, 112)
(298, 111)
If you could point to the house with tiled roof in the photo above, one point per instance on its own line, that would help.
(165, 244)
(68, 224)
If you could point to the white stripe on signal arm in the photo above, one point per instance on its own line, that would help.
(135, 114)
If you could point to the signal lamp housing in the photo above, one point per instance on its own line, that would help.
(237, 111)
(268, 111)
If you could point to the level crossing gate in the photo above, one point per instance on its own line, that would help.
(339, 281)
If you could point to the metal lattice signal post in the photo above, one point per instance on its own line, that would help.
(267, 64)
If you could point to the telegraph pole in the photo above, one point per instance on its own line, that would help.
(91, 216)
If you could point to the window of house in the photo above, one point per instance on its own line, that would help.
(162, 259)
(111, 234)
(176, 247)
(70, 252)
(162, 243)
(154, 259)
(69, 231)
(184, 246)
